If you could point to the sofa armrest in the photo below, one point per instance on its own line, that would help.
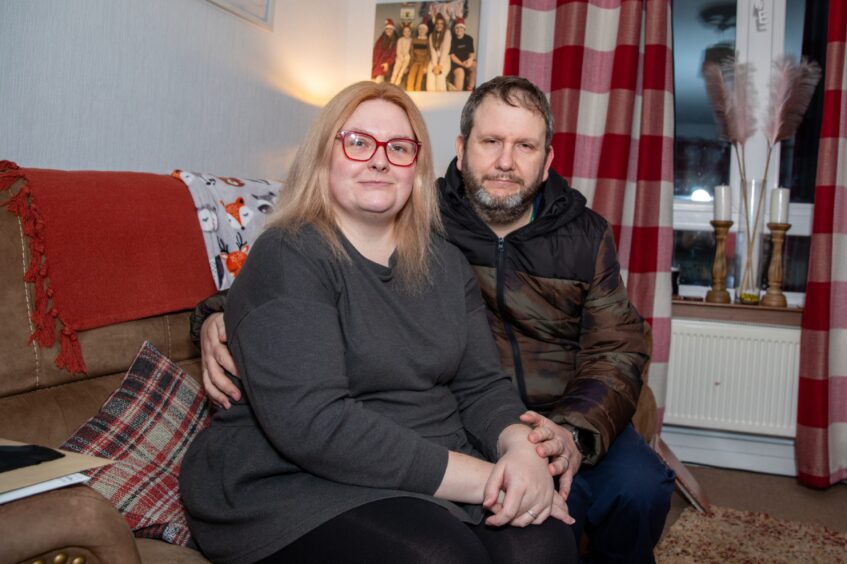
(75, 521)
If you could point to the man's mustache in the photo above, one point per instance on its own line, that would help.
(504, 177)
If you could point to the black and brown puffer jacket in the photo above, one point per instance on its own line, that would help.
(557, 305)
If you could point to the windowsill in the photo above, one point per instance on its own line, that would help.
(737, 313)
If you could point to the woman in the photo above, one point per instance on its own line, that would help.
(420, 59)
(404, 55)
(384, 51)
(367, 368)
(439, 56)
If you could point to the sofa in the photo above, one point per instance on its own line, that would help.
(43, 404)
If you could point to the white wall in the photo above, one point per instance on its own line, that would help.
(154, 85)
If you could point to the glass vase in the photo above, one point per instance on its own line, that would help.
(751, 220)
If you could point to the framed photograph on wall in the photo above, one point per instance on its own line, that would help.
(426, 46)
(259, 12)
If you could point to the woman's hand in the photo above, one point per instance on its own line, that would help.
(215, 358)
(464, 479)
(530, 496)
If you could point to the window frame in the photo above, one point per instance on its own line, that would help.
(759, 39)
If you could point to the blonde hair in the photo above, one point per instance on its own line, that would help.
(306, 199)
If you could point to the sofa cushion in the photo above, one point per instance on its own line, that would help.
(146, 425)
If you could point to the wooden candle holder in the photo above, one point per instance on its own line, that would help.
(774, 296)
(718, 294)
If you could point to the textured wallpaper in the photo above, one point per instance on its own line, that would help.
(153, 85)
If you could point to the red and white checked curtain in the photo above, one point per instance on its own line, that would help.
(607, 66)
(822, 404)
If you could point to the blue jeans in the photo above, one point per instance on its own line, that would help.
(622, 502)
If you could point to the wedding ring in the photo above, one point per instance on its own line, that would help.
(532, 513)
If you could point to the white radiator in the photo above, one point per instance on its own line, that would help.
(733, 377)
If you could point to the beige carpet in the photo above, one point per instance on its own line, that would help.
(730, 535)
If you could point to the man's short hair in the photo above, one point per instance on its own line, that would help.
(512, 90)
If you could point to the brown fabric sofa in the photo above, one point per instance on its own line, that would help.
(42, 404)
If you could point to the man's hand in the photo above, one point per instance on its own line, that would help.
(530, 497)
(556, 444)
(215, 358)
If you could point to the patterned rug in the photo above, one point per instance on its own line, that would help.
(729, 535)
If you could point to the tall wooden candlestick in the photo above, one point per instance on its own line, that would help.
(774, 296)
(718, 294)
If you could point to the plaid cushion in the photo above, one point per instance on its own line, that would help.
(146, 425)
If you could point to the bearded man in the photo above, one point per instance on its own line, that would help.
(557, 306)
(559, 311)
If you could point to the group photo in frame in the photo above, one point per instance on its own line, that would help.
(426, 46)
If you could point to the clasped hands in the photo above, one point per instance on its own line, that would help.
(520, 489)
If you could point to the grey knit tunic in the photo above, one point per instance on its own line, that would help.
(354, 391)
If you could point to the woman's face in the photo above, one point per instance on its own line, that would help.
(407, 32)
(371, 192)
(422, 30)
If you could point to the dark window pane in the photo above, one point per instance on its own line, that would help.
(693, 254)
(795, 266)
(702, 30)
(805, 35)
(700, 163)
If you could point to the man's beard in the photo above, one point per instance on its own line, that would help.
(502, 210)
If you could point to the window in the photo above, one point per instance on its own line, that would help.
(759, 31)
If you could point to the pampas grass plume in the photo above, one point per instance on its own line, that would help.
(792, 86)
(719, 96)
(744, 97)
(732, 95)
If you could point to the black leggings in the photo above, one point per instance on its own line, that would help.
(413, 531)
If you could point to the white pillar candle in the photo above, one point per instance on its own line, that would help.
(723, 203)
(779, 205)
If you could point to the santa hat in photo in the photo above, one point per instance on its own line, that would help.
(389, 22)
(459, 22)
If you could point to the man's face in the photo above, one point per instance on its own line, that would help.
(460, 31)
(504, 160)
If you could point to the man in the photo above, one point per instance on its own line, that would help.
(564, 326)
(463, 58)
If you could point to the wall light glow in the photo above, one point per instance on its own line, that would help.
(316, 90)
(311, 76)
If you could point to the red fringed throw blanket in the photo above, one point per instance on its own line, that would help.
(105, 247)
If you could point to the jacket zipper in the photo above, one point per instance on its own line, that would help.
(507, 327)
